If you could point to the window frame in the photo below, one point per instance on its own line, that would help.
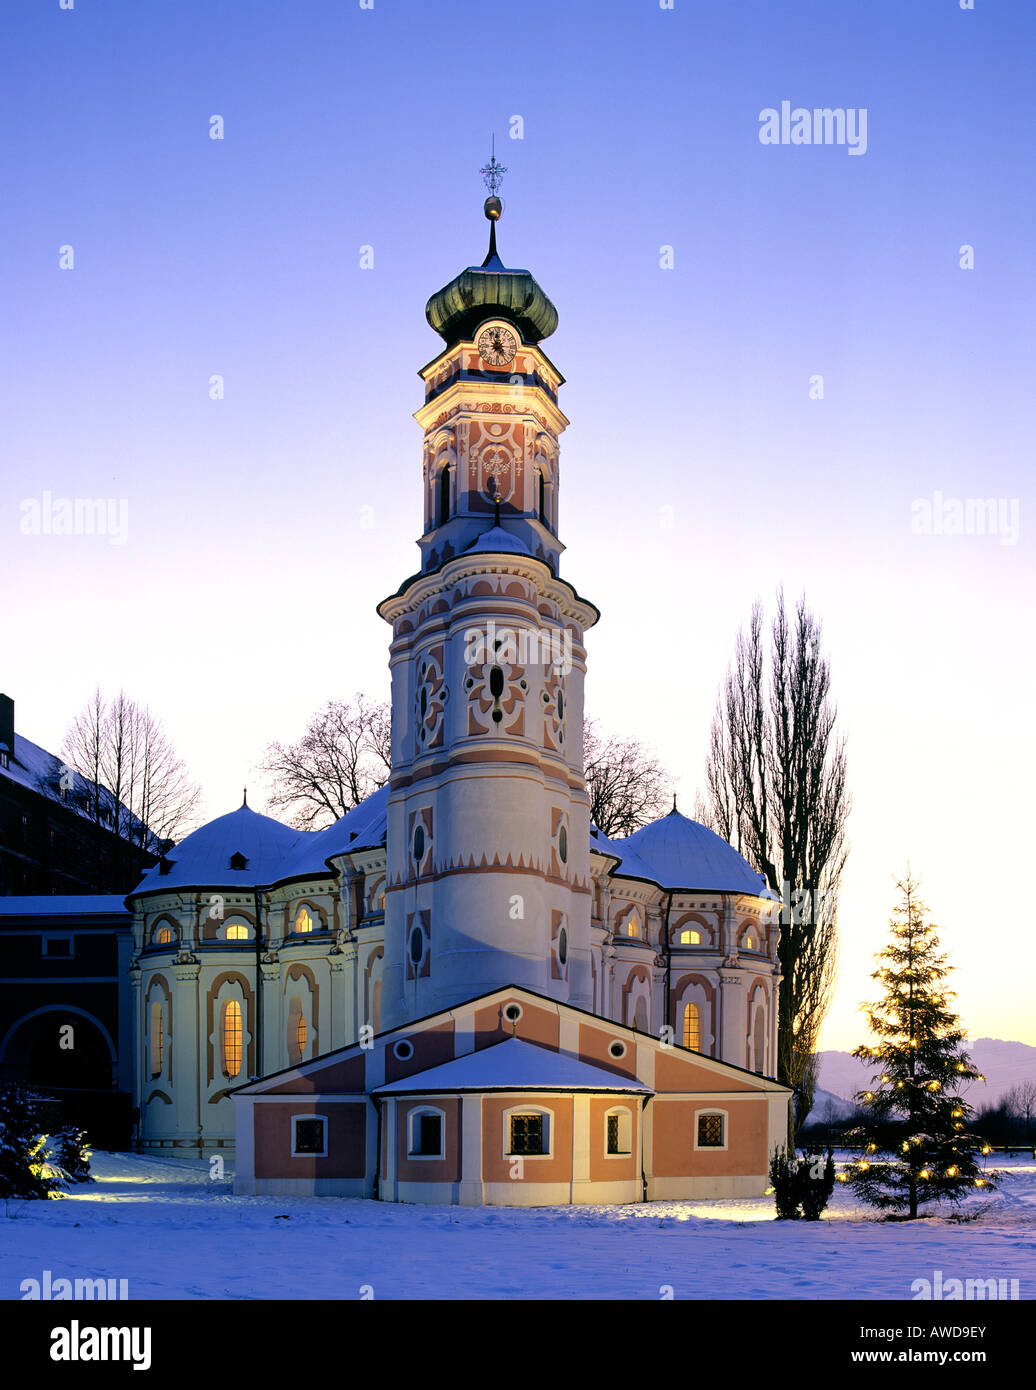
(411, 1128)
(712, 1148)
(46, 940)
(547, 1116)
(307, 1153)
(623, 1112)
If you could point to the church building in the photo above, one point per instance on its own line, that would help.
(462, 991)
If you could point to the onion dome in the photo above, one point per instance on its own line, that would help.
(676, 852)
(477, 293)
(237, 850)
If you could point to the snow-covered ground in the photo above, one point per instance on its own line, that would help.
(173, 1233)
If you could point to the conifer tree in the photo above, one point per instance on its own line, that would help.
(916, 1142)
(24, 1171)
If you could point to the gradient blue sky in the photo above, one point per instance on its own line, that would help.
(263, 528)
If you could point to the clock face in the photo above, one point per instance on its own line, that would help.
(497, 346)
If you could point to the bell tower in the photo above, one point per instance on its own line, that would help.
(488, 872)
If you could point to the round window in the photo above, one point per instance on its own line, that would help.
(416, 945)
(419, 843)
(563, 845)
(403, 1050)
(562, 946)
(513, 1013)
(617, 1049)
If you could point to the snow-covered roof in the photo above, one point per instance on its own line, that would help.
(361, 828)
(273, 851)
(497, 541)
(676, 852)
(202, 859)
(72, 905)
(33, 767)
(513, 1065)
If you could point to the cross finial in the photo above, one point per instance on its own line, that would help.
(493, 173)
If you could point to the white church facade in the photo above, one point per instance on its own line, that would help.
(462, 991)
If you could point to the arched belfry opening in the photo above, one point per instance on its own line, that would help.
(444, 494)
(542, 501)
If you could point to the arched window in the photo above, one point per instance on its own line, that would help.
(711, 1130)
(760, 1040)
(164, 936)
(618, 1130)
(749, 942)
(633, 926)
(692, 1027)
(297, 1030)
(542, 496)
(690, 937)
(157, 1038)
(444, 495)
(237, 931)
(231, 1039)
(426, 1133)
(303, 920)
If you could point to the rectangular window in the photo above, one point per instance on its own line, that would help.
(57, 946)
(527, 1134)
(710, 1131)
(613, 1134)
(428, 1136)
(310, 1137)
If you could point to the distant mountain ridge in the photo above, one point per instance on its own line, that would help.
(1004, 1064)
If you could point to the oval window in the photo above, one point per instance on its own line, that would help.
(496, 682)
(562, 946)
(561, 704)
(416, 945)
(419, 843)
(563, 845)
(424, 701)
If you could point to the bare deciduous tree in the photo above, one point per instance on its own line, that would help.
(775, 777)
(344, 755)
(1020, 1101)
(626, 783)
(138, 786)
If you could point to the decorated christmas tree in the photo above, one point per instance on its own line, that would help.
(917, 1147)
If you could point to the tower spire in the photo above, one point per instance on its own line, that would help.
(492, 176)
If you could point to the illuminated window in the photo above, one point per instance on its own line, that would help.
(237, 932)
(633, 926)
(690, 937)
(528, 1134)
(692, 1027)
(749, 942)
(710, 1132)
(303, 922)
(163, 936)
(617, 1132)
(296, 1030)
(231, 1038)
(157, 1038)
